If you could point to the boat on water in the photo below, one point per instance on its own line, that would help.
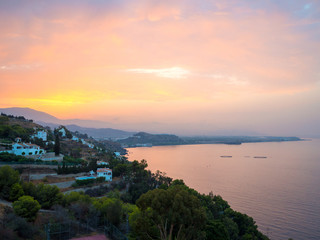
(226, 156)
(260, 157)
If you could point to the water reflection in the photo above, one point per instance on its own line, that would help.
(280, 191)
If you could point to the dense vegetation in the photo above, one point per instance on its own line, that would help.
(156, 206)
(9, 157)
(153, 139)
(166, 139)
(10, 132)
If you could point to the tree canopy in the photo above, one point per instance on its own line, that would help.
(8, 177)
(26, 207)
(169, 214)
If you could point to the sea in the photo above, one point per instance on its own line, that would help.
(276, 183)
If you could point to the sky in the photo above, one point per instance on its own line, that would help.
(173, 66)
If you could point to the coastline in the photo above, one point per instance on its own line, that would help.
(220, 141)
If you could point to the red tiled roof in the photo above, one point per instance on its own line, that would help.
(20, 144)
(30, 144)
(104, 170)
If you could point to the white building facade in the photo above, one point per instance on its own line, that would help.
(41, 135)
(102, 163)
(74, 138)
(63, 132)
(105, 172)
(25, 149)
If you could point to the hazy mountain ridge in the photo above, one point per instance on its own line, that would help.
(128, 138)
(30, 114)
(46, 119)
(152, 139)
(237, 139)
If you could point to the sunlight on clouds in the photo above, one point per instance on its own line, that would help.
(22, 67)
(161, 57)
(59, 101)
(70, 98)
(174, 72)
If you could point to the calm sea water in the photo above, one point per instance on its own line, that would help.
(281, 192)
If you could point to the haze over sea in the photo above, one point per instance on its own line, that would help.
(281, 192)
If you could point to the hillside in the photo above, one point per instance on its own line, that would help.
(101, 133)
(88, 127)
(12, 127)
(30, 114)
(143, 138)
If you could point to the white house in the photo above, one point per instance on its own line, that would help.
(63, 132)
(26, 149)
(101, 163)
(74, 138)
(41, 134)
(90, 145)
(105, 172)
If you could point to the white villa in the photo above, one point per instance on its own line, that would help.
(105, 172)
(74, 138)
(63, 132)
(25, 149)
(41, 134)
(100, 163)
(90, 145)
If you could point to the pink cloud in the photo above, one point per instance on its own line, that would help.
(249, 50)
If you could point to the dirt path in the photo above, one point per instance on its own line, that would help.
(63, 184)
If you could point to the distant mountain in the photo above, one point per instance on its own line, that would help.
(98, 131)
(236, 139)
(147, 139)
(101, 133)
(30, 114)
(235, 132)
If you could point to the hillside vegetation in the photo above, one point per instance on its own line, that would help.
(153, 139)
(12, 127)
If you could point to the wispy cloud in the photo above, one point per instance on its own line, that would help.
(14, 67)
(174, 72)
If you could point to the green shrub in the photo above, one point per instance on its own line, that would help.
(100, 179)
(26, 207)
(85, 182)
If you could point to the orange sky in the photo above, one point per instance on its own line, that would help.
(166, 66)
